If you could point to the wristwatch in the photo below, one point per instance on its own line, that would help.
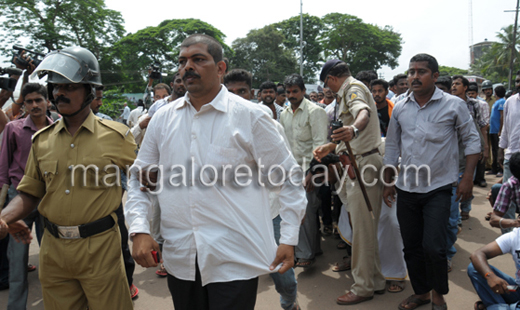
(356, 131)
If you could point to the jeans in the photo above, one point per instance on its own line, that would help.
(510, 213)
(491, 299)
(309, 239)
(453, 225)
(18, 254)
(285, 284)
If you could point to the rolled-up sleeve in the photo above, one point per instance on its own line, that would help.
(467, 131)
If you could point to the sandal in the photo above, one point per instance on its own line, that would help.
(396, 286)
(161, 272)
(444, 306)
(464, 215)
(31, 267)
(344, 265)
(302, 262)
(416, 302)
(134, 291)
(341, 245)
(479, 305)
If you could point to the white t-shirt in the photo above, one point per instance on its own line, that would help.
(510, 243)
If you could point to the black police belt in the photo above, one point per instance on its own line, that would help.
(81, 231)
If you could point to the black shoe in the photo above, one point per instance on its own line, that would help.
(482, 183)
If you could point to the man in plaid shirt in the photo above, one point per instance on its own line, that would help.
(509, 192)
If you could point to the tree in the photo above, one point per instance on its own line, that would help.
(55, 24)
(136, 52)
(451, 71)
(263, 54)
(362, 46)
(494, 63)
(312, 28)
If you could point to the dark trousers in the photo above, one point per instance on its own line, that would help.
(128, 260)
(4, 261)
(495, 167)
(423, 219)
(191, 295)
(326, 202)
(480, 172)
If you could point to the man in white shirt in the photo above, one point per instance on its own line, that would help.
(125, 114)
(215, 221)
(136, 113)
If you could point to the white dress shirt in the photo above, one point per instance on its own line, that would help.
(226, 227)
(510, 138)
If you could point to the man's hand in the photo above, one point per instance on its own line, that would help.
(389, 193)
(144, 123)
(148, 179)
(464, 189)
(307, 184)
(20, 232)
(323, 150)
(4, 229)
(497, 284)
(142, 247)
(284, 255)
(346, 133)
(485, 154)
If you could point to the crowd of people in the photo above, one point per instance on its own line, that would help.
(221, 189)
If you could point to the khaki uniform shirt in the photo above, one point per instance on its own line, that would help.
(306, 129)
(354, 96)
(73, 199)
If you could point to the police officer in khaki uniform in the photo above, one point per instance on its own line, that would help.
(358, 112)
(73, 168)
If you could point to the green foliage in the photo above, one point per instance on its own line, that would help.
(54, 24)
(362, 46)
(263, 54)
(136, 52)
(312, 50)
(113, 104)
(451, 71)
(495, 62)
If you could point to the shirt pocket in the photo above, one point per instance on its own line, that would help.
(97, 173)
(218, 158)
(303, 131)
(49, 170)
(436, 132)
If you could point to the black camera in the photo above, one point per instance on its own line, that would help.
(8, 83)
(24, 61)
(336, 124)
(156, 71)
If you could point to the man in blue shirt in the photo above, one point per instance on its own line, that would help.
(495, 127)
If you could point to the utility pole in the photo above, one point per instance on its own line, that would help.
(301, 37)
(513, 47)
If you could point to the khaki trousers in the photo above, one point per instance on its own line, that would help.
(80, 272)
(366, 266)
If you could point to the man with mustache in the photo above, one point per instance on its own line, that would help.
(217, 229)
(358, 112)
(16, 146)
(509, 142)
(379, 89)
(269, 93)
(423, 133)
(80, 257)
(305, 126)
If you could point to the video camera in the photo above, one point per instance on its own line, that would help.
(156, 71)
(9, 83)
(24, 62)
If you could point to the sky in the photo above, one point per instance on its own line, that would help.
(440, 28)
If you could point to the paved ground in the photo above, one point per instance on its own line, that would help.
(318, 286)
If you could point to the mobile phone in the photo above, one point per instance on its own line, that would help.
(155, 256)
(512, 288)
